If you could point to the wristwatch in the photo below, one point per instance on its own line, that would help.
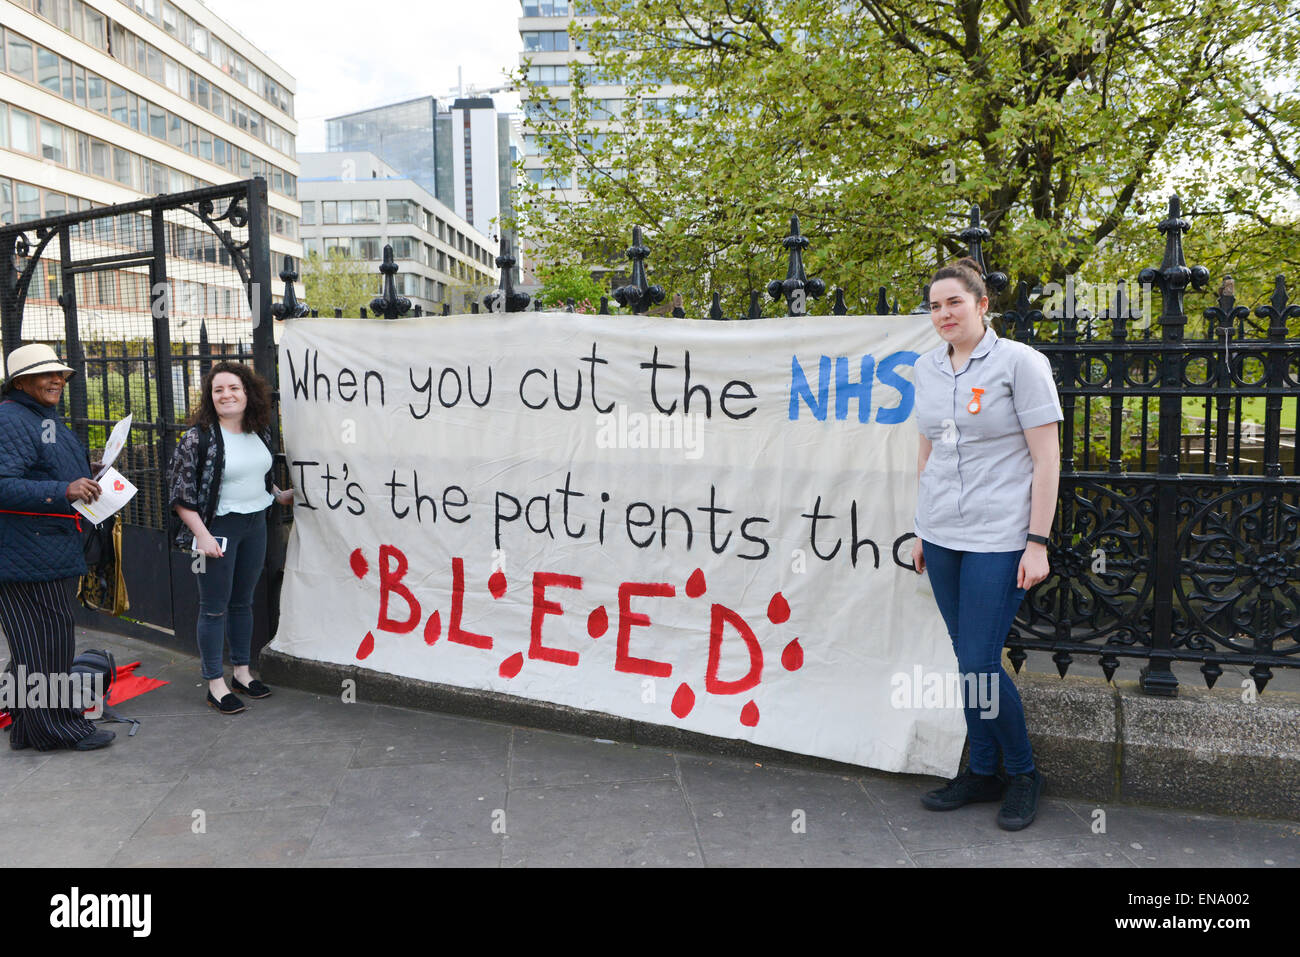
(1036, 539)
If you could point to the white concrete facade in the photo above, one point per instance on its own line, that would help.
(476, 163)
(110, 101)
(549, 52)
(442, 258)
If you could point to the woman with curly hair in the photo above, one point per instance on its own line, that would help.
(221, 488)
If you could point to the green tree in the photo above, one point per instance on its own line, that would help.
(564, 281)
(880, 121)
(337, 281)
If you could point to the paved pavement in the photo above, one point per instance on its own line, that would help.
(304, 780)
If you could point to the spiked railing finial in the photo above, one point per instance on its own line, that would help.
(290, 308)
(797, 288)
(504, 298)
(638, 295)
(389, 304)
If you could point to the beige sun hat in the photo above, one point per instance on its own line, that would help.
(33, 360)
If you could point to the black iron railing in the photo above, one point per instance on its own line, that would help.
(1177, 534)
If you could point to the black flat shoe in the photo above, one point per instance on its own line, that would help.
(254, 689)
(94, 740)
(227, 705)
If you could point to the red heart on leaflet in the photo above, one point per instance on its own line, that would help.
(117, 485)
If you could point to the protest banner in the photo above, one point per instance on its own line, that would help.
(699, 524)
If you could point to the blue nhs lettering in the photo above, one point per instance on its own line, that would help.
(869, 371)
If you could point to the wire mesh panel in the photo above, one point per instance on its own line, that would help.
(140, 299)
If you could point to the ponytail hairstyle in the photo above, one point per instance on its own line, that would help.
(966, 271)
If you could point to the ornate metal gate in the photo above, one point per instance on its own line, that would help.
(139, 299)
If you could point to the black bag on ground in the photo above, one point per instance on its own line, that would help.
(94, 661)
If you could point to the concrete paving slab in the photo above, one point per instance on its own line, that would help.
(1063, 852)
(396, 736)
(260, 787)
(758, 815)
(301, 717)
(154, 755)
(1154, 838)
(82, 827)
(415, 808)
(484, 856)
(637, 824)
(272, 837)
(545, 759)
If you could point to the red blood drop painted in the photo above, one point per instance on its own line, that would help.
(510, 667)
(778, 610)
(749, 715)
(359, 565)
(598, 622)
(367, 645)
(497, 583)
(695, 584)
(432, 628)
(683, 700)
(792, 656)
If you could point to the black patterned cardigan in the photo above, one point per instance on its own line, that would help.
(197, 486)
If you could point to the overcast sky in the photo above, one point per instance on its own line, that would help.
(347, 55)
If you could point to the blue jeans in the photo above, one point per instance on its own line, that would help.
(226, 589)
(978, 598)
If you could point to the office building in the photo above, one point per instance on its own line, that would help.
(549, 54)
(108, 101)
(411, 136)
(358, 203)
(462, 152)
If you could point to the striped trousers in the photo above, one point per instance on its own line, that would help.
(38, 624)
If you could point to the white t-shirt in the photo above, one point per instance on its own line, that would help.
(243, 477)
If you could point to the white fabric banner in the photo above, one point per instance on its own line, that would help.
(692, 523)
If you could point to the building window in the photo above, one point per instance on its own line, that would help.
(545, 41)
(552, 74)
(546, 8)
(309, 213)
(22, 131)
(367, 247)
(29, 202)
(402, 211)
(19, 57)
(52, 142)
(365, 210)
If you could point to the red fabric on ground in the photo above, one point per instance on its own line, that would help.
(128, 685)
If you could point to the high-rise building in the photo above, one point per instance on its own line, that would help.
(412, 136)
(357, 203)
(462, 153)
(550, 53)
(108, 101)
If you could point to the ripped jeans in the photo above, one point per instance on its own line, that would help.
(226, 590)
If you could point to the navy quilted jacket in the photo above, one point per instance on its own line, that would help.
(34, 477)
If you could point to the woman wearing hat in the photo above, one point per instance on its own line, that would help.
(43, 470)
